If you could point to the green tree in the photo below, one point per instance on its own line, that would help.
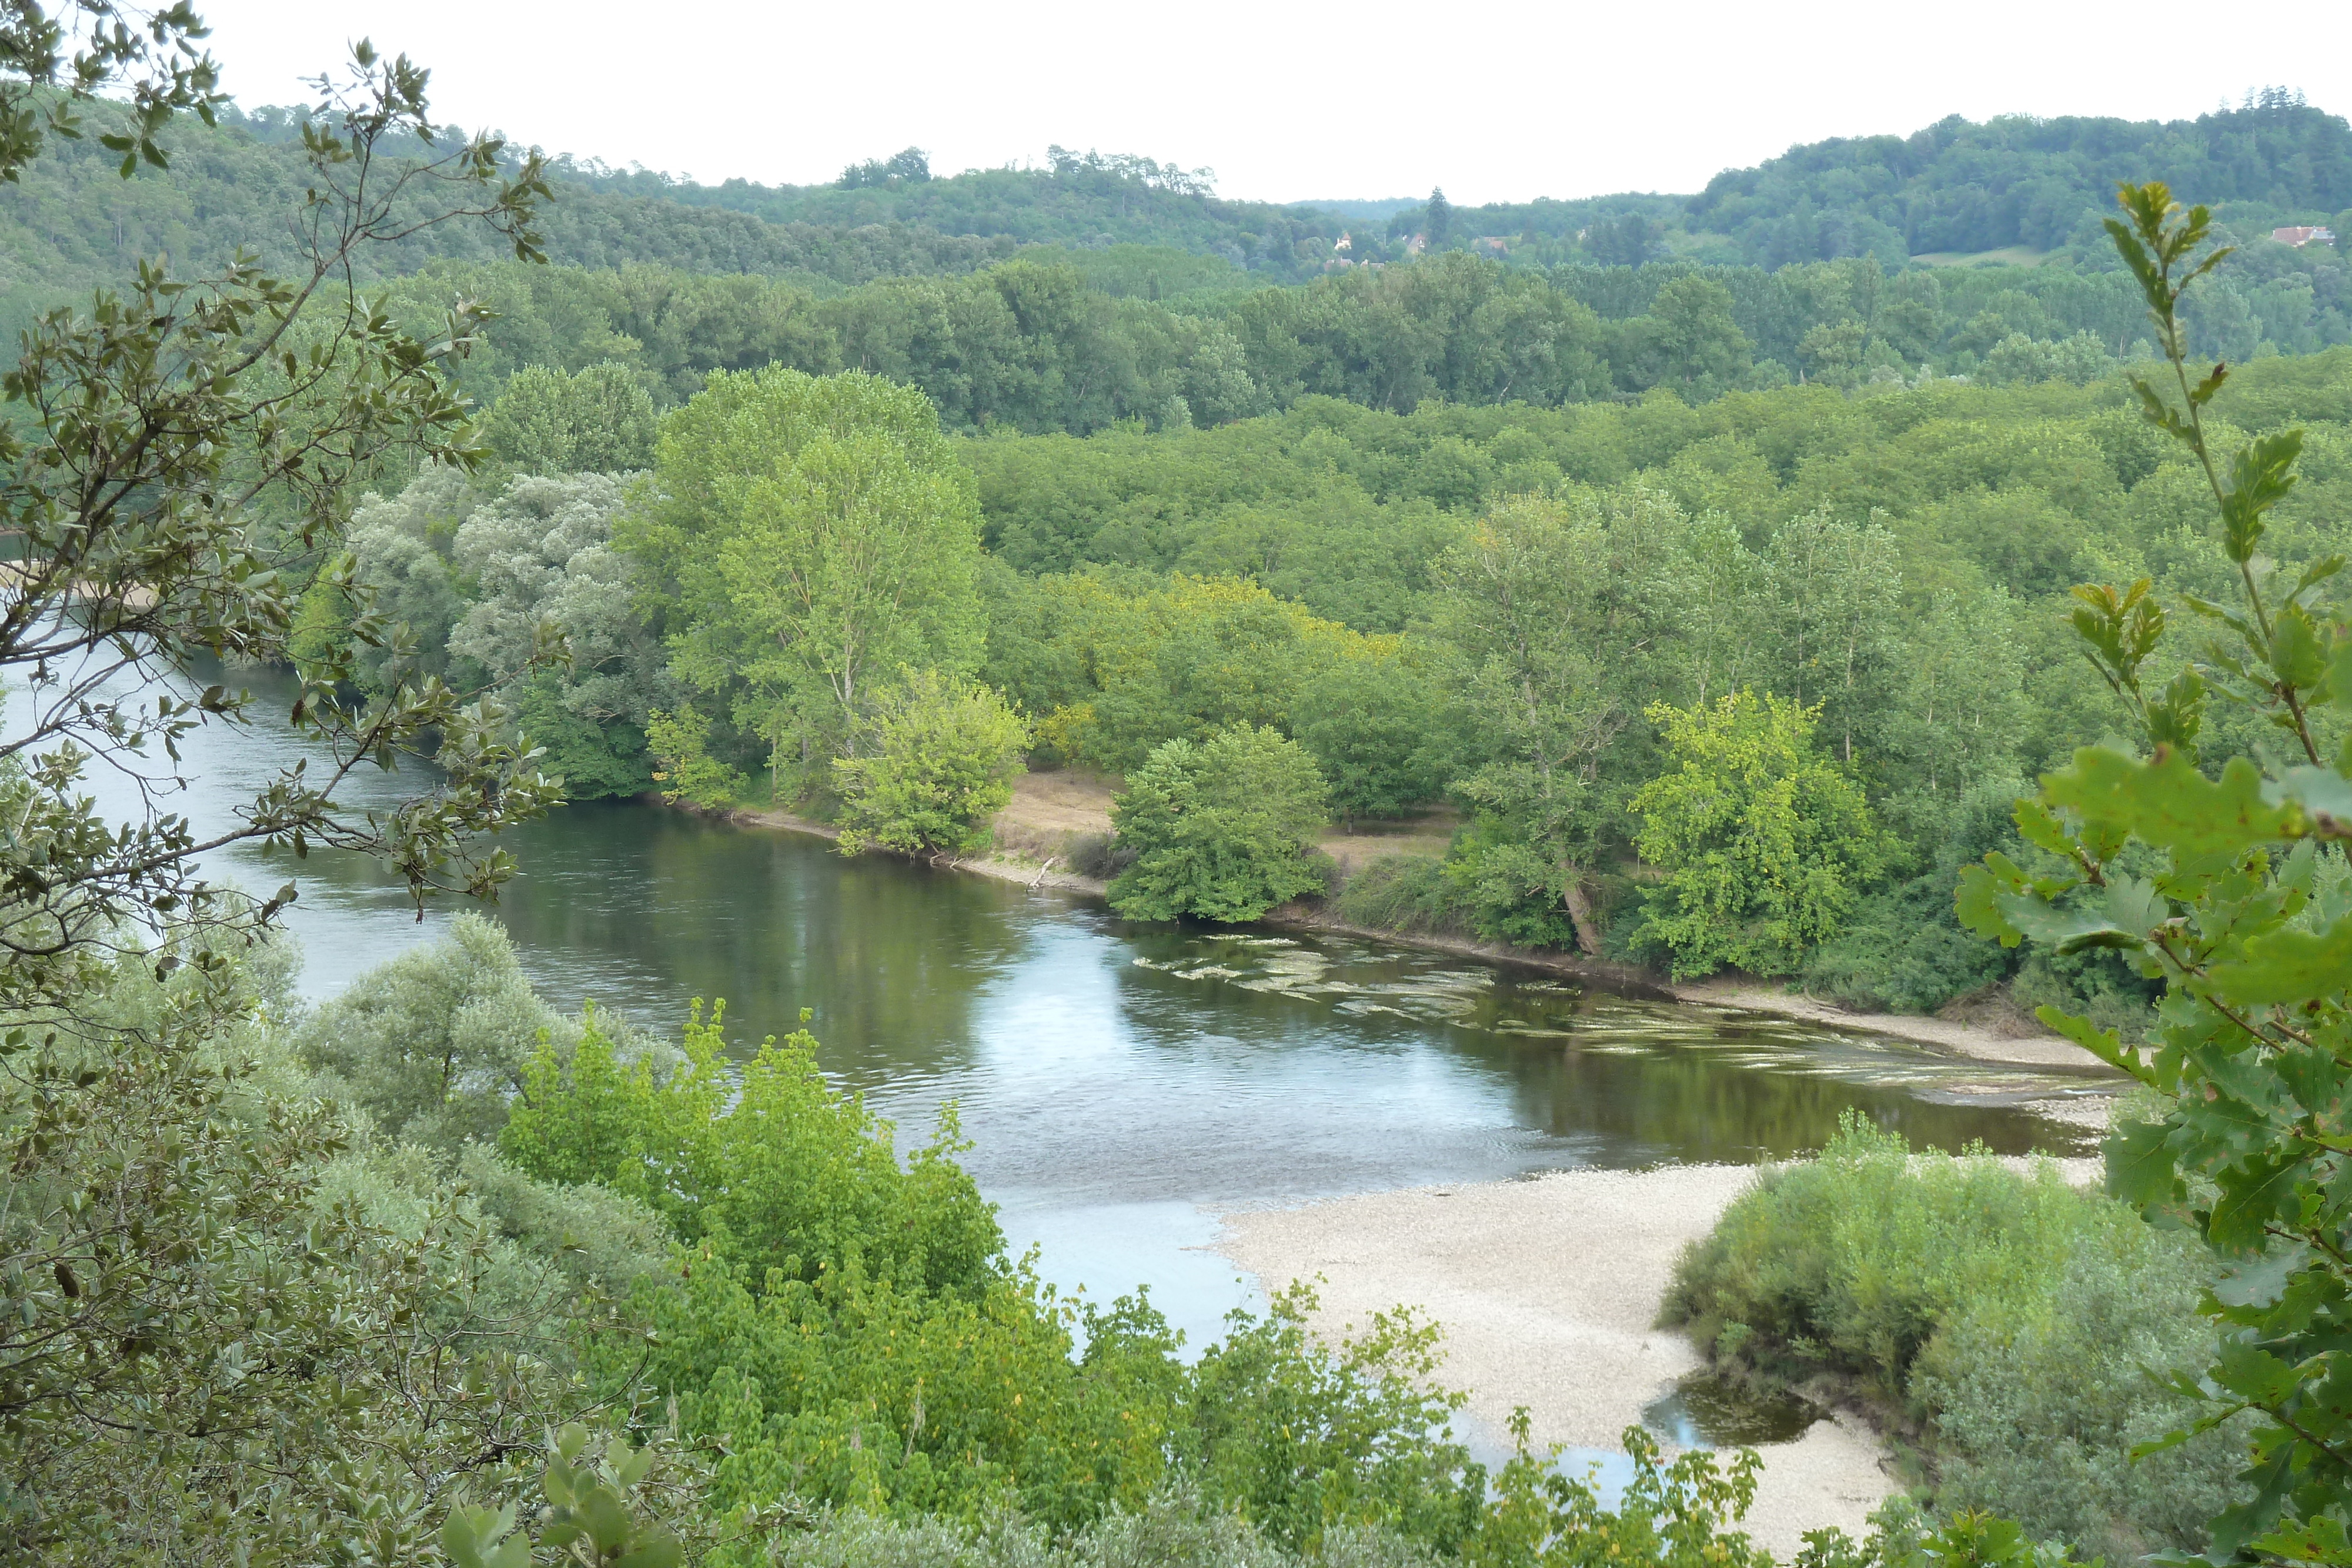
(1437, 219)
(1689, 341)
(400, 555)
(679, 744)
(1558, 611)
(930, 767)
(1374, 726)
(1833, 637)
(1763, 845)
(599, 419)
(2226, 881)
(1221, 828)
(200, 1314)
(554, 608)
(435, 1044)
(804, 538)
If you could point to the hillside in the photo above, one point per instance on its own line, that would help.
(1958, 187)
(2030, 189)
(70, 221)
(1076, 200)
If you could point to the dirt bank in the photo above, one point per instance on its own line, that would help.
(1549, 1291)
(1003, 868)
(1051, 814)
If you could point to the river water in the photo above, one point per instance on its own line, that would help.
(1122, 1082)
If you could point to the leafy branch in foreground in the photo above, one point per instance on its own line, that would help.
(176, 461)
(2244, 910)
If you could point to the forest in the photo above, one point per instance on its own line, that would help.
(1895, 562)
(1822, 624)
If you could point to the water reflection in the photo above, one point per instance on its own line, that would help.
(1119, 1082)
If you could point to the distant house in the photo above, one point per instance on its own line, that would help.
(1495, 244)
(2300, 235)
(1345, 243)
(1416, 245)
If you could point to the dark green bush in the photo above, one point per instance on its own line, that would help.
(1222, 829)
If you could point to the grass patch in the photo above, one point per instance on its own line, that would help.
(2005, 1323)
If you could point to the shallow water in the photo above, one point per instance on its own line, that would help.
(1707, 1410)
(1122, 1083)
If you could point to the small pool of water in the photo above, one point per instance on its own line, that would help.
(1709, 1410)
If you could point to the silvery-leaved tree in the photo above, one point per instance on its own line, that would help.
(149, 435)
(2226, 878)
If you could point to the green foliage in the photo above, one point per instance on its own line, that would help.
(2007, 1315)
(1557, 613)
(220, 1291)
(1220, 829)
(1762, 844)
(599, 419)
(1407, 893)
(1375, 729)
(1512, 890)
(436, 1043)
(400, 548)
(1118, 668)
(1670, 1515)
(2227, 884)
(1905, 949)
(591, 1516)
(550, 604)
(804, 538)
(852, 1324)
(765, 1165)
(679, 744)
(934, 765)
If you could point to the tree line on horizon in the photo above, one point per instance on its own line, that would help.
(1953, 187)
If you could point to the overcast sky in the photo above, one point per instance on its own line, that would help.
(1499, 101)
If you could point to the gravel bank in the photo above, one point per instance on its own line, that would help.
(1549, 1289)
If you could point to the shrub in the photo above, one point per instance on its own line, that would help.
(2010, 1317)
(434, 1043)
(1372, 725)
(1906, 949)
(935, 763)
(1508, 889)
(1220, 829)
(1402, 893)
(681, 742)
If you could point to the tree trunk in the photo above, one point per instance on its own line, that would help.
(1579, 913)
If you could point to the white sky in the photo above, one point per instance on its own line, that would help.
(1500, 101)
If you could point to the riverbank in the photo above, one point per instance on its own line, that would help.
(1003, 868)
(1978, 1041)
(1052, 812)
(1547, 1288)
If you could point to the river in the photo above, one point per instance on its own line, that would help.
(1122, 1082)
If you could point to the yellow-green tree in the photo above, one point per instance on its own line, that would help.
(1763, 844)
(933, 763)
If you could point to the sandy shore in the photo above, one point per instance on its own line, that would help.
(1549, 1291)
(1001, 868)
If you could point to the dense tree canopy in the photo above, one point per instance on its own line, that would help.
(802, 540)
